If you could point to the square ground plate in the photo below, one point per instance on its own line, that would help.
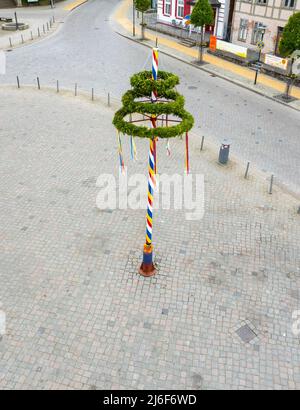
(246, 334)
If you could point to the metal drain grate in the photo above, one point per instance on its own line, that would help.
(246, 334)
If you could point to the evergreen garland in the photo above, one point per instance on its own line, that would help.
(143, 85)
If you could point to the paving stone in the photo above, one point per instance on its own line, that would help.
(78, 313)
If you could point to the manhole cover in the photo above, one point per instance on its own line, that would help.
(246, 334)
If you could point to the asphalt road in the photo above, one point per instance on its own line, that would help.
(86, 50)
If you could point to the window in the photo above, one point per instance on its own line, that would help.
(243, 31)
(168, 7)
(289, 4)
(262, 2)
(279, 36)
(258, 33)
(180, 8)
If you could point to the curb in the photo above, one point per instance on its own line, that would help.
(236, 82)
(36, 40)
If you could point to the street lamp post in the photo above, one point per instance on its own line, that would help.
(257, 68)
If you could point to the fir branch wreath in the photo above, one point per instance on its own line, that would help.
(142, 86)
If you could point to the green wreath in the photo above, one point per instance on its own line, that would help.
(143, 86)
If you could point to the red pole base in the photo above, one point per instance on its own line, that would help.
(147, 268)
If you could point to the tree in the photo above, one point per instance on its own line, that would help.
(142, 6)
(290, 40)
(202, 15)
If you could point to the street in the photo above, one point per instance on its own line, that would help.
(87, 51)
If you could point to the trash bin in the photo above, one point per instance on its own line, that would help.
(224, 152)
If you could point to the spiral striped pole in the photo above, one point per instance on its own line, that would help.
(147, 269)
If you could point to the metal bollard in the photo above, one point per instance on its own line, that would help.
(76, 90)
(108, 99)
(57, 86)
(224, 152)
(18, 81)
(92, 94)
(38, 83)
(271, 185)
(202, 143)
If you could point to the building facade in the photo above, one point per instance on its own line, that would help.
(174, 12)
(256, 20)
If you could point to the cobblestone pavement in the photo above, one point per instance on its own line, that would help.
(217, 315)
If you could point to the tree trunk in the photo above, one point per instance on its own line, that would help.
(143, 27)
(201, 47)
(289, 81)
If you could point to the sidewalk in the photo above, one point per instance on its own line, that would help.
(43, 21)
(267, 86)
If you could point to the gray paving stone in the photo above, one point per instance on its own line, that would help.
(79, 316)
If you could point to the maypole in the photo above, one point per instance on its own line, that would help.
(152, 98)
(147, 268)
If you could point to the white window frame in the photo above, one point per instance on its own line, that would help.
(257, 34)
(168, 7)
(286, 4)
(243, 30)
(180, 8)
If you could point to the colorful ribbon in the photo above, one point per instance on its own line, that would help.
(168, 148)
(133, 151)
(120, 149)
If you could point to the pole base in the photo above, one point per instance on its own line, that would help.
(147, 268)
